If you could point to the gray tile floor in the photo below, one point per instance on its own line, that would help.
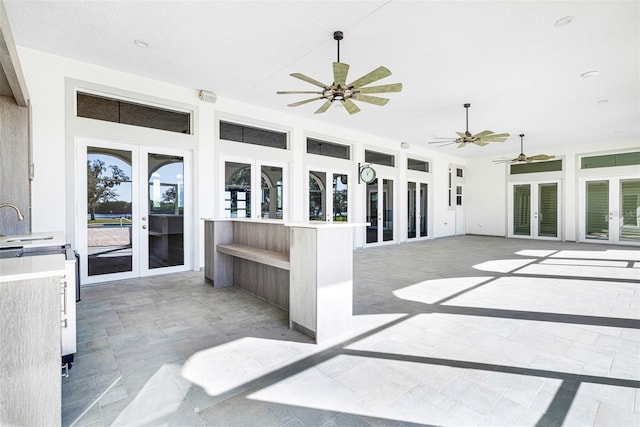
(459, 332)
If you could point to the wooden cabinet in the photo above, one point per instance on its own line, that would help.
(30, 390)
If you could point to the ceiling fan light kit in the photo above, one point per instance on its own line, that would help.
(342, 92)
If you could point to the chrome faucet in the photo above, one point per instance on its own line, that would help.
(17, 209)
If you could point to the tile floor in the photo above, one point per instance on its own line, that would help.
(459, 331)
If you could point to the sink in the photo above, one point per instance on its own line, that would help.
(28, 239)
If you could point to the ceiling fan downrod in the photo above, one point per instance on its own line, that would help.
(337, 36)
(466, 107)
(521, 144)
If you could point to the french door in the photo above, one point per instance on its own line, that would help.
(135, 216)
(379, 199)
(328, 196)
(417, 212)
(610, 210)
(535, 208)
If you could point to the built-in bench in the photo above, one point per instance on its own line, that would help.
(262, 256)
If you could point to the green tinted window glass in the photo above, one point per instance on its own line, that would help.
(610, 160)
(552, 166)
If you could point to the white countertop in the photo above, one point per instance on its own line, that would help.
(31, 267)
(315, 224)
(34, 240)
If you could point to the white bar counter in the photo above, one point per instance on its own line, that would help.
(305, 268)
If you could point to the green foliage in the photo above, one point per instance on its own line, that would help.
(101, 185)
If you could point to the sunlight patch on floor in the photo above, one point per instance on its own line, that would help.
(590, 271)
(611, 254)
(536, 252)
(432, 291)
(556, 295)
(228, 366)
(410, 392)
(503, 265)
(160, 396)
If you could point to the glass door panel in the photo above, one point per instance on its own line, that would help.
(522, 210)
(109, 206)
(387, 215)
(423, 210)
(548, 210)
(165, 232)
(271, 192)
(340, 197)
(597, 210)
(317, 195)
(630, 210)
(412, 210)
(372, 211)
(237, 192)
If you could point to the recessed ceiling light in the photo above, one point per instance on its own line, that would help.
(589, 74)
(603, 101)
(563, 21)
(140, 43)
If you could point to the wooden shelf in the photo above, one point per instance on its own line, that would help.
(262, 256)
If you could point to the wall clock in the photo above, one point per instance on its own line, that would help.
(367, 174)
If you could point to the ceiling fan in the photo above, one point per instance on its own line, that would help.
(339, 90)
(523, 158)
(464, 138)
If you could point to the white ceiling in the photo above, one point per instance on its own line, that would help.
(520, 72)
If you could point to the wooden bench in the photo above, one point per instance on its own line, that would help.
(261, 256)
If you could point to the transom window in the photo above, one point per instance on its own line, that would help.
(609, 160)
(552, 166)
(417, 165)
(130, 113)
(329, 149)
(253, 135)
(378, 158)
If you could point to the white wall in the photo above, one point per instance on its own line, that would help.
(487, 183)
(55, 130)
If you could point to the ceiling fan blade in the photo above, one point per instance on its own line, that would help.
(393, 87)
(492, 139)
(461, 134)
(504, 160)
(295, 104)
(371, 99)
(500, 135)
(308, 80)
(483, 134)
(288, 92)
(373, 76)
(324, 107)
(480, 142)
(541, 157)
(462, 144)
(350, 106)
(340, 71)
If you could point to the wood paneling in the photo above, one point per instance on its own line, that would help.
(14, 166)
(30, 389)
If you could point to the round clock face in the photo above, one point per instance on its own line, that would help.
(367, 174)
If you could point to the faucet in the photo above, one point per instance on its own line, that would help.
(17, 209)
